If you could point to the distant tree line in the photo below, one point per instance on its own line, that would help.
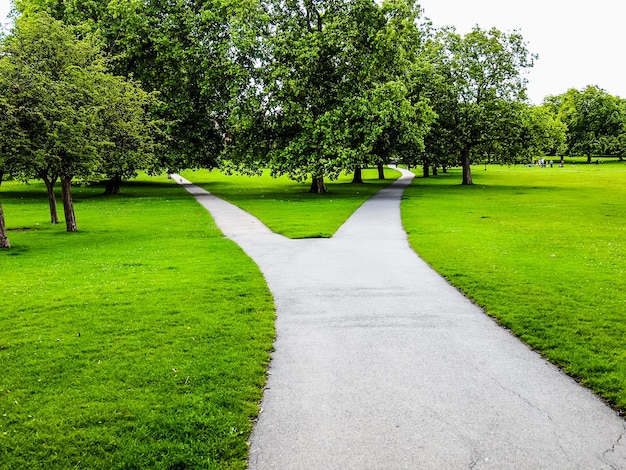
(100, 89)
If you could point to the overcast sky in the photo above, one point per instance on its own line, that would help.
(579, 43)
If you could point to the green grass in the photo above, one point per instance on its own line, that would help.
(287, 207)
(140, 342)
(543, 251)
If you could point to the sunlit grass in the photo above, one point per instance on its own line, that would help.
(543, 251)
(139, 342)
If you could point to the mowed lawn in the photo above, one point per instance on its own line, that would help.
(543, 250)
(139, 342)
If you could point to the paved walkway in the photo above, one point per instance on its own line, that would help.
(380, 364)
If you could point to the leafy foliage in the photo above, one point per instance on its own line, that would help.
(595, 120)
(194, 53)
(70, 117)
(329, 95)
(481, 91)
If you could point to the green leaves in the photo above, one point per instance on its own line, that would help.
(335, 88)
(596, 121)
(73, 119)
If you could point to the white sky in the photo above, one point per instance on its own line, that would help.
(579, 42)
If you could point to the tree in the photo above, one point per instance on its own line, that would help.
(396, 73)
(540, 132)
(11, 140)
(484, 77)
(45, 80)
(70, 112)
(131, 136)
(194, 53)
(327, 98)
(595, 121)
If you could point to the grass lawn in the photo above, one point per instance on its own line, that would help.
(139, 342)
(287, 207)
(543, 250)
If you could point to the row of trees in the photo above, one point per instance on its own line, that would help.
(307, 88)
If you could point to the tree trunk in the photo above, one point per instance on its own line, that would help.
(426, 169)
(68, 205)
(318, 186)
(52, 200)
(381, 171)
(4, 240)
(113, 185)
(435, 170)
(358, 175)
(465, 162)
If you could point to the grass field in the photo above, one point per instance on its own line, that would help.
(543, 251)
(139, 342)
(142, 340)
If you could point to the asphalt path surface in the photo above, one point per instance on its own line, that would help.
(380, 364)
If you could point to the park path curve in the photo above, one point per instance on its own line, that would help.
(380, 364)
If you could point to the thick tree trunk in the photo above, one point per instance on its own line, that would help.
(4, 240)
(465, 162)
(426, 169)
(381, 171)
(68, 205)
(52, 200)
(318, 186)
(435, 170)
(113, 186)
(358, 175)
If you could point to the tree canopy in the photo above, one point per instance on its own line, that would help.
(333, 89)
(595, 121)
(68, 116)
(484, 80)
(306, 88)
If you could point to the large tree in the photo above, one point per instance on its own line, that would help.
(195, 53)
(484, 71)
(70, 112)
(328, 96)
(595, 120)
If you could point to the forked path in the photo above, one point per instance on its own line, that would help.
(380, 364)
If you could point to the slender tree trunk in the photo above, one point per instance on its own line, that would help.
(358, 175)
(465, 162)
(434, 170)
(68, 205)
(381, 171)
(4, 240)
(318, 186)
(426, 169)
(52, 200)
